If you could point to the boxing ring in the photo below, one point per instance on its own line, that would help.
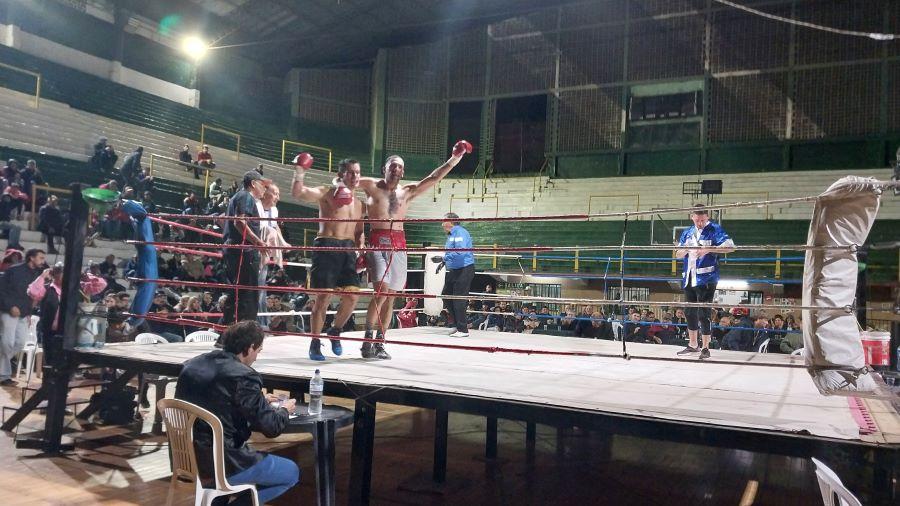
(751, 401)
(766, 404)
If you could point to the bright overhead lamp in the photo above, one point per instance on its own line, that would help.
(194, 47)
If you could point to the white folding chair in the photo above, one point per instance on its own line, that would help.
(149, 338)
(201, 336)
(618, 330)
(29, 351)
(159, 382)
(179, 417)
(764, 346)
(834, 493)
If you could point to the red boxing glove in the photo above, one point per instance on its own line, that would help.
(361, 264)
(343, 196)
(461, 148)
(304, 160)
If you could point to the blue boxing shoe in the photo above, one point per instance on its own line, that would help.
(336, 347)
(315, 350)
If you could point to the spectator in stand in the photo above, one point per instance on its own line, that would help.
(11, 231)
(741, 337)
(216, 191)
(191, 204)
(109, 272)
(111, 185)
(598, 329)
(665, 331)
(207, 304)
(11, 257)
(719, 332)
(171, 332)
(634, 331)
(31, 177)
(681, 320)
(11, 170)
(48, 300)
(279, 323)
(106, 160)
(184, 156)
(204, 160)
(761, 332)
(50, 223)
(778, 329)
(569, 323)
(15, 308)
(143, 181)
(131, 166)
(18, 199)
(494, 320)
(583, 319)
(130, 268)
(148, 203)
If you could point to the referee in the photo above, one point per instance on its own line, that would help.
(460, 271)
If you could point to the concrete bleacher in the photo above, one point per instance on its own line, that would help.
(59, 130)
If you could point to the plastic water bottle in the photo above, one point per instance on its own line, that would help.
(316, 386)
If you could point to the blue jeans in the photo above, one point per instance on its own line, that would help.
(272, 476)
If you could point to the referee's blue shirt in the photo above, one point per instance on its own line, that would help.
(458, 238)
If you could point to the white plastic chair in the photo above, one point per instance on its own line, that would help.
(201, 336)
(834, 493)
(29, 351)
(797, 353)
(149, 338)
(179, 417)
(159, 382)
(618, 330)
(764, 346)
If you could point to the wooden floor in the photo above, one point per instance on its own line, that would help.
(118, 465)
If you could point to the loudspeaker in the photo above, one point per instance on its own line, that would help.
(711, 187)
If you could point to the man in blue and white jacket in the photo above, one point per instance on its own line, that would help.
(460, 271)
(701, 274)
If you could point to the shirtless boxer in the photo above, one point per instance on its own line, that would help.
(388, 199)
(332, 269)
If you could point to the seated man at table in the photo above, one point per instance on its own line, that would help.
(222, 382)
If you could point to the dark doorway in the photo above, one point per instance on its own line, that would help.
(519, 134)
(465, 123)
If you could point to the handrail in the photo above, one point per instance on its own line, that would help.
(204, 127)
(472, 179)
(37, 78)
(285, 142)
(34, 190)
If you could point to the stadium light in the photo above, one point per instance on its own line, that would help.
(194, 47)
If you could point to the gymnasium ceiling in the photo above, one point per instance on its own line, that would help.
(312, 33)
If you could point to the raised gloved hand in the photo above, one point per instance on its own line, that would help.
(342, 195)
(303, 161)
(461, 148)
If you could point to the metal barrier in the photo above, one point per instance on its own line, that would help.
(204, 127)
(35, 75)
(322, 156)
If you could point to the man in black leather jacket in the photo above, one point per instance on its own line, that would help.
(223, 383)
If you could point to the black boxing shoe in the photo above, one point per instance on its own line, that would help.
(367, 349)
